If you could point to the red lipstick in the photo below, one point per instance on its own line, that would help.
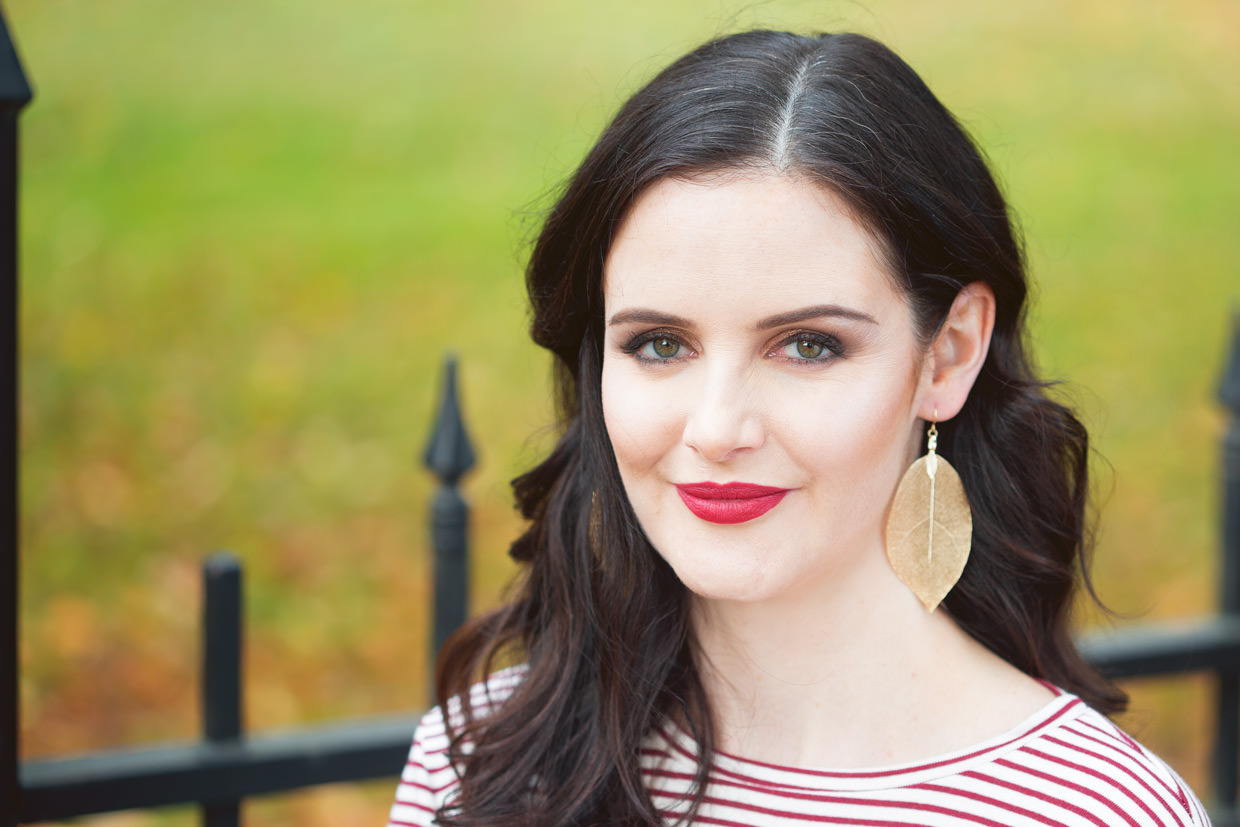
(730, 503)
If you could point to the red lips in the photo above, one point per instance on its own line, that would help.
(730, 503)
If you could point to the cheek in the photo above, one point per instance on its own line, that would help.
(851, 437)
(641, 424)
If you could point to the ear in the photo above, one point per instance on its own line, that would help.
(957, 353)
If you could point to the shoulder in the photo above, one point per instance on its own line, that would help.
(1091, 767)
(429, 780)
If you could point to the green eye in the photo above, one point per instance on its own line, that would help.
(808, 349)
(664, 347)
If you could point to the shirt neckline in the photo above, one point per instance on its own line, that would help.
(681, 748)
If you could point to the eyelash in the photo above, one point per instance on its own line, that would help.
(832, 348)
(635, 345)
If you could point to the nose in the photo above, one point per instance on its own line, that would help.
(724, 418)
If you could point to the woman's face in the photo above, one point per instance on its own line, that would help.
(760, 383)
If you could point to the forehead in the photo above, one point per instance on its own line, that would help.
(768, 240)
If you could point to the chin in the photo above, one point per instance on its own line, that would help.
(728, 564)
(742, 586)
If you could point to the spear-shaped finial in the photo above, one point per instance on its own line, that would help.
(449, 453)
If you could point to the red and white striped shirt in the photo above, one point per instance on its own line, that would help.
(1066, 765)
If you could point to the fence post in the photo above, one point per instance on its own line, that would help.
(449, 455)
(1227, 746)
(14, 94)
(221, 669)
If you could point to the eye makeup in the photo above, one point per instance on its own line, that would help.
(808, 347)
(657, 346)
(797, 347)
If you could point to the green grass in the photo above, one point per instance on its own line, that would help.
(251, 230)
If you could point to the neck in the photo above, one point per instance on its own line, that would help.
(855, 674)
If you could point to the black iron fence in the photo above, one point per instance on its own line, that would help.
(227, 764)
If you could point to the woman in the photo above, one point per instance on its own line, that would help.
(782, 275)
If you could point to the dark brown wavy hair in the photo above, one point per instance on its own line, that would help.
(598, 616)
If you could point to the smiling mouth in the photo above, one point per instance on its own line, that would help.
(730, 503)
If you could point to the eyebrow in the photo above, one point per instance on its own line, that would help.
(642, 316)
(818, 311)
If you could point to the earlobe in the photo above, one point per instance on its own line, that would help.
(958, 352)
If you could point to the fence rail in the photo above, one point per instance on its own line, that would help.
(229, 765)
(214, 775)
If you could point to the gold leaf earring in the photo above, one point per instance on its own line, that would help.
(930, 527)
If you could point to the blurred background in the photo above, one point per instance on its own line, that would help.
(250, 230)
